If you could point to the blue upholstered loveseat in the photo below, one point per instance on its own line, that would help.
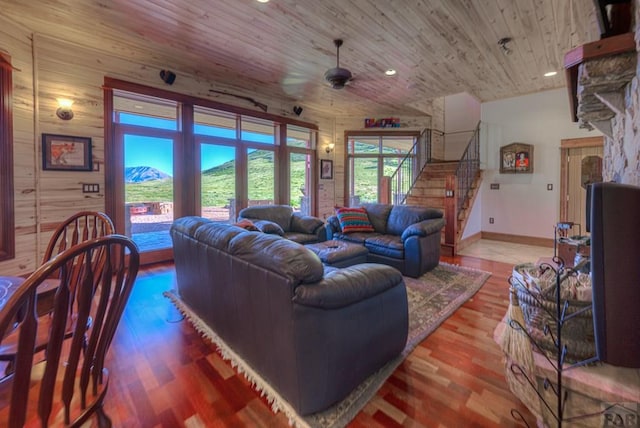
(406, 237)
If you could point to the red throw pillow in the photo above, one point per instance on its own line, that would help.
(247, 224)
(354, 220)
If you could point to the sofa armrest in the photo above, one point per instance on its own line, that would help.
(332, 226)
(423, 228)
(343, 287)
(306, 224)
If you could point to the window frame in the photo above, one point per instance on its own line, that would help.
(189, 188)
(7, 228)
(349, 157)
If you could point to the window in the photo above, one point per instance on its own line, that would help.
(170, 155)
(372, 156)
(7, 232)
(301, 145)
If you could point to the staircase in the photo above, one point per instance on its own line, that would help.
(430, 189)
(449, 186)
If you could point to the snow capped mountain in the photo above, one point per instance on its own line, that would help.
(139, 174)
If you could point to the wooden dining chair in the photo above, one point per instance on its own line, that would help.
(69, 386)
(78, 228)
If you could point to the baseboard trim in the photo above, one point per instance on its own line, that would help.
(464, 243)
(518, 239)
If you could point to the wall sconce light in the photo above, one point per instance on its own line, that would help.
(297, 110)
(64, 111)
(329, 147)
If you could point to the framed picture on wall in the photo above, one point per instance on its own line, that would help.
(326, 169)
(66, 153)
(516, 158)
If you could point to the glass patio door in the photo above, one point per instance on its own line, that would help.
(218, 182)
(261, 179)
(149, 190)
(300, 182)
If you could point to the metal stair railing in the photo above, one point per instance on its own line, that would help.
(467, 169)
(409, 169)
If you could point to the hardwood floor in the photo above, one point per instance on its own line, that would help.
(164, 375)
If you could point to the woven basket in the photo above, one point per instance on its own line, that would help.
(577, 332)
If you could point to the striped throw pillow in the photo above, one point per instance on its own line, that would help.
(354, 220)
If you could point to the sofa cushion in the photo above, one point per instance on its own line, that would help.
(334, 223)
(266, 226)
(356, 238)
(189, 224)
(300, 238)
(378, 215)
(385, 245)
(280, 214)
(279, 255)
(304, 223)
(348, 286)
(217, 235)
(403, 216)
(354, 220)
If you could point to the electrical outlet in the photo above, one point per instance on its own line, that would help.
(494, 186)
(490, 220)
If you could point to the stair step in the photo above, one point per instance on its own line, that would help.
(430, 182)
(428, 192)
(449, 166)
(426, 201)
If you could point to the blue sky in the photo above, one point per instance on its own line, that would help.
(158, 152)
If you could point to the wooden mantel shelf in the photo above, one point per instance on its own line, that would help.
(614, 45)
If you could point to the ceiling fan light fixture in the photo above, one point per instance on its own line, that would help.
(337, 76)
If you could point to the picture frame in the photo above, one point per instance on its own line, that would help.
(516, 158)
(66, 153)
(326, 169)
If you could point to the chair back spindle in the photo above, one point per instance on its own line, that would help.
(70, 384)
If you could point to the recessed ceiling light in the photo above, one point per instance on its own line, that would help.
(390, 72)
(550, 73)
(263, 1)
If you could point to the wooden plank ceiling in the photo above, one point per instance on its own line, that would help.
(281, 49)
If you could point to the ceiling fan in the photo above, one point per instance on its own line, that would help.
(338, 77)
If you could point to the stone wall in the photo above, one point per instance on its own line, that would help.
(622, 149)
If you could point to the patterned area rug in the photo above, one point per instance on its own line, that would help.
(432, 299)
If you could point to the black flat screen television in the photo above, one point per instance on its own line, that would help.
(614, 215)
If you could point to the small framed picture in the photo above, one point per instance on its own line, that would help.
(326, 169)
(516, 158)
(66, 153)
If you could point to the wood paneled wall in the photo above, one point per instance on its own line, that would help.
(16, 40)
(50, 68)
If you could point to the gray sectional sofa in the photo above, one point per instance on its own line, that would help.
(312, 332)
(406, 237)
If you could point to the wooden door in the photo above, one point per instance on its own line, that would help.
(581, 163)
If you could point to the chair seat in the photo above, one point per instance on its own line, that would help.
(9, 344)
